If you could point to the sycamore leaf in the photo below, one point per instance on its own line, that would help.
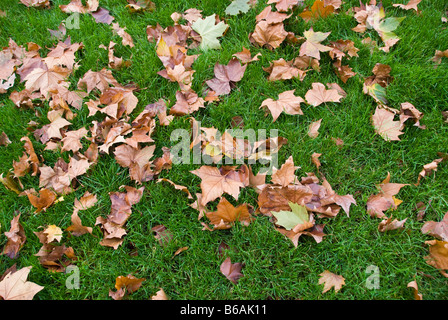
(232, 271)
(412, 4)
(209, 31)
(287, 102)
(14, 286)
(269, 35)
(312, 46)
(290, 219)
(438, 255)
(385, 126)
(215, 182)
(285, 175)
(285, 5)
(437, 229)
(226, 214)
(331, 280)
(238, 6)
(16, 238)
(318, 10)
(226, 76)
(319, 94)
(53, 232)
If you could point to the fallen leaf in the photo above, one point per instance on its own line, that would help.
(414, 286)
(232, 271)
(16, 238)
(216, 181)
(226, 215)
(389, 224)
(287, 102)
(313, 129)
(14, 285)
(412, 4)
(319, 94)
(428, 169)
(318, 10)
(125, 285)
(209, 31)
(438, 255)
(53, 232)
(312, 46)
(237, 6)
(226, 76)
(385, 125)
(269, 35)
(437, 229)
(331, 280)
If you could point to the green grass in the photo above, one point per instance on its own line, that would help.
(273, 267)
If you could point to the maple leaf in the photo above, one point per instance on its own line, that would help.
(77, 6)
(438, 255)
(389, 224)
(125, 285)
(245, 56)
(72, 140)
(53, 232)
(271, 17)
(43, 80)
(209, 31)
(216, 181)
(177, 187)
(226, 76)
(313, 129)
(412, 4)
(44, 200)
(16, 238)
(319, 94)
(237, 6)
(269, 35)
(232, 271)
(140, 5)
(14, 285)
(318, 10)
(226, 215)
(427, 169)
(97, 80)
(287, 102)
(414, 286)
(285, 5)
(312, 46)
(437, 229)
(187, 102)
(276, 198)
(384, 200)
(331, 280)
(297, 219)
(384, 124)
(285, 175)
(36, 3)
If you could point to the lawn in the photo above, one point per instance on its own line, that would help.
(272, 266)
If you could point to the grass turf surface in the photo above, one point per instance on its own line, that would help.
(273, 267)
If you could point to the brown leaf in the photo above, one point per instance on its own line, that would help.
(312, 46)
(42, 201)
(389, 224)
(177, 187)
(428, 169)
(331, 280)
(285, 5)
(268, 35)
(438, 255)
(412, 4)
(125, 285)
(216, 181)
(160, 295)
(226, 76)
(16, 238)
(14, 285)
(286, 174)
(226, 215)
(414, 286)
(232, 271)
(287, 102)
(318, 10)
(313, 129)
(319, 94)
(384, 124)
(437, 229)
(275, 198)
(162, 234)
(245, 56)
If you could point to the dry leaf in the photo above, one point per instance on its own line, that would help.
(313, 129)
(319, 94)
(14, 285)
(384, 124)
(287, 102)
(232, 271)
(331, 280)
(437, 229)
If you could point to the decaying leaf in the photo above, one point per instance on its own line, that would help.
(385, 125)
(14, 285)
(331, 280)
(437, 229)
(125, 285)
(287, 102)
(232, 271)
